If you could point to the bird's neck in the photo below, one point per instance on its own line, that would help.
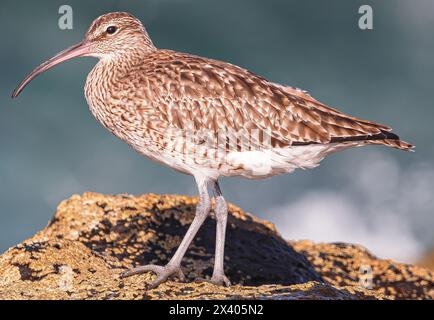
(128, 56)
(106, 82)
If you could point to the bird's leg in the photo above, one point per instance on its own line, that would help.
(173, 267)
(221, 215)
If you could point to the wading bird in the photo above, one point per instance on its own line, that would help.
(205, 118)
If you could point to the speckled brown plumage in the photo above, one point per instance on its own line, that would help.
(206, 118)
(172, 89)
(150, 97)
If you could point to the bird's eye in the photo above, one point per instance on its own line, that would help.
(111, 29)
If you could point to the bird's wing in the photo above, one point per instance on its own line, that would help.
(196, 93)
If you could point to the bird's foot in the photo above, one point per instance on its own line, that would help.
(218, 280)
(163, 273)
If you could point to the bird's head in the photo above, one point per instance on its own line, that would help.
(109, 36)
(114, 34)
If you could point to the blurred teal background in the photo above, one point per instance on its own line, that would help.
(52, 147)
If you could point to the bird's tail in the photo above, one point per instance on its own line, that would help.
(394, 143)
(384, 138)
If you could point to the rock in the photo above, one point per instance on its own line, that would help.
(93, 238)
(341, 264)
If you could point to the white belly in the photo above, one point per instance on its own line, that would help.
(253, 164)
(266, 163)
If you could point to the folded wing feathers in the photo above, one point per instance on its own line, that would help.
(224, 96)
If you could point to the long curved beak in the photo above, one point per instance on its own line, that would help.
(78, 50)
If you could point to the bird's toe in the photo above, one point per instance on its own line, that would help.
(163, 273)
(218, 280)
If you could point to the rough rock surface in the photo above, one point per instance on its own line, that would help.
(92, 238)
